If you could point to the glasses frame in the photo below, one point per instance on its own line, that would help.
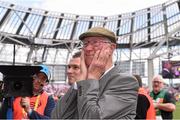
(35, 77)
(95, 43)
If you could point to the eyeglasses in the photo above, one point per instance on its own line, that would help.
(157, 82)
(39, 79)
(94, 43)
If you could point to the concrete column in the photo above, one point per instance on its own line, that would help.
(150, 72)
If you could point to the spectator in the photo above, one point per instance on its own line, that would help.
(39, 106)
(145, 108)
(73, 69)
(167, 70)
(100, 92)
(164, 102)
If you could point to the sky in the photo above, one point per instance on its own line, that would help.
(89, 7)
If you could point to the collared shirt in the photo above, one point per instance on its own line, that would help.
(166, 69)
(107, 71)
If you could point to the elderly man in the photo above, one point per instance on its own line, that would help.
(101, 91)
(164, 102)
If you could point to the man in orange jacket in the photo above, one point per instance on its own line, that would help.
(38, 106)
(145, 108)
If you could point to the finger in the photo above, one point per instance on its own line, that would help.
(83, 68)
(82, 62)
(82, 56)
(104, 54)
(95, 59)
(96, 55)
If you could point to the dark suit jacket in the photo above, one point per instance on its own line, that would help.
(167, 74)
(114, 96)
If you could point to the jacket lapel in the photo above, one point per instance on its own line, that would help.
(106, 78)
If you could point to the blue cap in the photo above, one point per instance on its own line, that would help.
(45, 70)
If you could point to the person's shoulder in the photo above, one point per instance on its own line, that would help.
(49, 96)
(167, 93)
(127, 76)
(124, 78)
(45, 93)
(142, 98)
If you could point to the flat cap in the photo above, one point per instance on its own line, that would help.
(99, 32)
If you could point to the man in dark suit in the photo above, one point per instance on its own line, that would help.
(101, 91)
(166, 72)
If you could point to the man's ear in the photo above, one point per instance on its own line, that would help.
(113, 46)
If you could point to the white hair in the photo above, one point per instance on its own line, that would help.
(158, 78)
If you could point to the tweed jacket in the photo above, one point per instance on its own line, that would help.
(114, 96)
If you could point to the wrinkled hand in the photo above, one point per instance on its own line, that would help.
(83, 68)
(99, 63)
(25, 103)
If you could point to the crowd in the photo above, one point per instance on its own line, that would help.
(96, 89)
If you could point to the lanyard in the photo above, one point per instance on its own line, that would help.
(37, 102)
(35, 106)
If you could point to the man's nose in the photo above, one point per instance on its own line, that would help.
(89, 47)
(37, 80)
(70, 70)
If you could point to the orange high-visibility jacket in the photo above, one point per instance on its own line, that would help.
(18, 111)
(151, 113)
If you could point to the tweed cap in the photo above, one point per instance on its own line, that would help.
(99, 32)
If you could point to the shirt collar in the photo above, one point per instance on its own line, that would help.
(107, 71)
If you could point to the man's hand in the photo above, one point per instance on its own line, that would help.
(99, 63)
(83, 69)
(25, 103)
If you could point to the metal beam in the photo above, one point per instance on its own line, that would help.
(150, 72)
(58, 26)
(15, 40)
(74, 28)
(44, 55)
(149, 25)
(29, 55)
(55, 55)
(164, 53)
(131, 44)
(157, 48)
(4, 18)
(90, 22)
(41, 24)
(118, 25)
(23, 21)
